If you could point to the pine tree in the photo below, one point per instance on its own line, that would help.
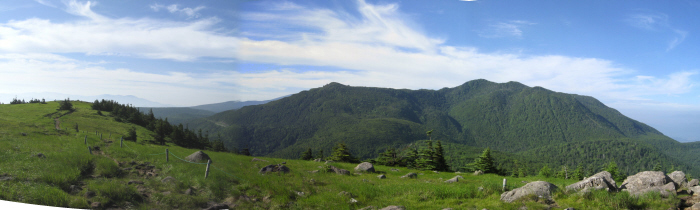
(657, 167)
(65, 105)
(614, 172)
(578, 174)
(245, 152)
(425, 158)
(411, 158)
(388, 157)
(307, 155)
(485, 162)
(131, 135)
(320, 154)
(341, 154)
(521, 173)
(439, 158)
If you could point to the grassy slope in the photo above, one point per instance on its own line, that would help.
(47, 181)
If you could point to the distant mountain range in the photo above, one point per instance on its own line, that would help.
(178, 115)
(508, 117)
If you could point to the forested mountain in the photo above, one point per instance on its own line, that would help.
(508, 117)
(177, 115)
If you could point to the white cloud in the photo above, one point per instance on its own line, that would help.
(658, 22)
(511, 28)
(174, 8)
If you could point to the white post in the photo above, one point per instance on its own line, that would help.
(206, 173)
(504, 185)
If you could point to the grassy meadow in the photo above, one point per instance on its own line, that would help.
(70, 176)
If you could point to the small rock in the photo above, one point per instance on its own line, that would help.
(24, 134)
(478, 172)
(189, 191)
(365, 180)
(284, 162)
(89, 194)
(218, 206)
(300, 194)
(395, 170)
(40, 155)
(381, 176)
(329, 161)
(345, 194)
(95, 205)
(317, 160)
(458, 172)
(135, 182)
(368, 208)
(394, 208)
(168, 179)
(352, 200)
(313, 172)
(437, 172)
(96, 148)
(410, 175)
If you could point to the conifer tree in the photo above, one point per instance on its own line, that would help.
(439, 158)
(521, 173)
(131, 135)
(578, 173)
(341, 154)
(245, 152)
(657, 167)
(425, 158)
(307, 155)
(485, 162)
(320, 154)
(411, 158)
(614, 172)
(65, 105)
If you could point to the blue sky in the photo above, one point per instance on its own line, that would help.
(638, 57)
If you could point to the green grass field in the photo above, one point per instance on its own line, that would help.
(69, 172)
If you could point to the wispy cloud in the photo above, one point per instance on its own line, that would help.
(658, 22)
(174, 8)
(511, 28)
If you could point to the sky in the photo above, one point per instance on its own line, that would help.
(639, 57)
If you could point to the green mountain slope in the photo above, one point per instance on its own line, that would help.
(508, 117)
(177, 115)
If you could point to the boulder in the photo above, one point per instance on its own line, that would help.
(454, 179)
(665, 191)
(540, 188)
(274, 168)
(394, 208)
(695, 190)
(395, 170)
(694, 207)
(599, 181)
(693, 183)
(678, 177)
(410, 175)
(339, 170)
(198, 156)
(365, 166)
(478, 172)
(646, 181)
(381, 176)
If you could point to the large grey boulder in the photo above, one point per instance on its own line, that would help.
(198, 156)
(695, 190)
(647, 181)
(274, 168)
(693, 182)
(599, 181)
(678, 177)
(540, 188)
(365, 166)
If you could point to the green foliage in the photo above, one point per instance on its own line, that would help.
(342, 154)
(131, 135)
(307, 155)
(485, 162)
(65, 105)
(545, 172)
(578, 173)
(614, 172)
(657, 167)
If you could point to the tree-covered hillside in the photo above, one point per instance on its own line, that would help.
(508, 117)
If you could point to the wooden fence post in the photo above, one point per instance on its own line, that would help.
(85, 139)
(167, 155)
(89, 150)
(121, 142)
(206, 173)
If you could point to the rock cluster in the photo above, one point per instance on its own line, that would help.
(599, 181)
(274, 168)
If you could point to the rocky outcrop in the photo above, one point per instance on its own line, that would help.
(693, 182)
(678, 177)
(198, 156)
(599, 181)
(365, 167)
(647, 181)
(540, 188)
(695, 190)
(274, 168)
(410, 175)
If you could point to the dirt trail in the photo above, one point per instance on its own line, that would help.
(58, 123)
